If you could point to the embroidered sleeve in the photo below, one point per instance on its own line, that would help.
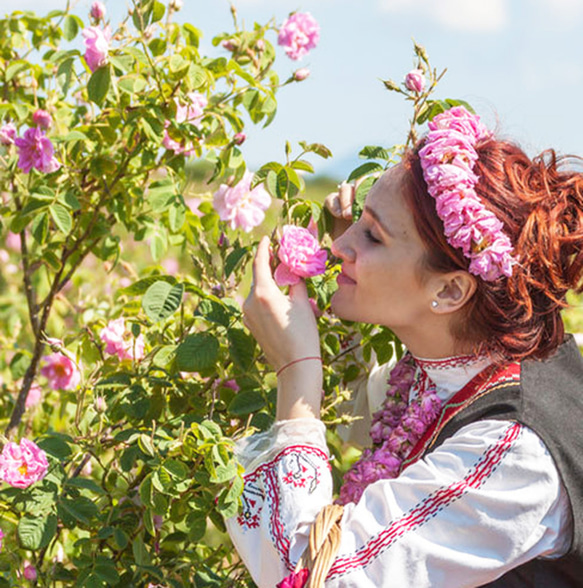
(486, 501)
(287, 482)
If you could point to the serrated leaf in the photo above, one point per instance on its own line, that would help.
(360, 195)
(197, 352)
(142, 285)
(161, 300)
(36, 532)
(81, 509)
(146, 444)
(246, 402)
(55, 446)
(234, 259)
(365, 169)
(241, 348)
(196, 525)
(62, 218)
(99, 84)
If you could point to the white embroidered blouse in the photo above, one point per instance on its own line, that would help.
(487, 500)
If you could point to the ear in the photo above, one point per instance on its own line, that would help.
(452, 291)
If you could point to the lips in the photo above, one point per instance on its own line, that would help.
(343, 278)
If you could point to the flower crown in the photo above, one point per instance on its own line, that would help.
(448, 159)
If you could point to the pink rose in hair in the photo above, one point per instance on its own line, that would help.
(42, 118)
(61, 372)
(240, 205)
(415, 81)
(120, 341)
(36, 150)
(461, 120)
(448, 177)
(22, 465)
(96, 46)
(451, 147)
(8, 134)
(295, 580)
(300, 254)
(298, 34)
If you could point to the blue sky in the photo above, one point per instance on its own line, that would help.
(518, 62)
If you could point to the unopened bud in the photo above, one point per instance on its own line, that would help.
(415, 81)
(390, 85)
(239, 138)
(42, 118)
(260, 45)
(420, 51)
(228, 45)
(218, 290)
(301, 74)
(175, 5)
(97, 11)
(100, 404)
(148, 32)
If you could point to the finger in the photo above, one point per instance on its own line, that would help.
(261, 270)
(298, 291)
(346, 197)
(332, 203)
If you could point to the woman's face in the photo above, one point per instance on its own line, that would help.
(381, 257)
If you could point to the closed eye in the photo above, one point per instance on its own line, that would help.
(368, 234)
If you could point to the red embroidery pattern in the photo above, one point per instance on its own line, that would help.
(430, 506)
(298, 466)
(448, 362)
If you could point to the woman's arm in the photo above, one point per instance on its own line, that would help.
(285, 328)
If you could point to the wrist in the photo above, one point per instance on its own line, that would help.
(299, 391)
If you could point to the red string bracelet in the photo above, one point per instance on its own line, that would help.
(296, 361)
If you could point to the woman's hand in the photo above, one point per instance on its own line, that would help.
(285, 328)
(340, 206)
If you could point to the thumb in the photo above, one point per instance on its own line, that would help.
(298, 291)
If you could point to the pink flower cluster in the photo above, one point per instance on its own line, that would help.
(448, 159)
(240, 205)
(24, 464)
(300, 254)
(190, 112)
(299, 33)
(396, 429)
(61, 372)
(35, 150)
(295, 579)
(96, 46)
(119, 341)
(8, 134)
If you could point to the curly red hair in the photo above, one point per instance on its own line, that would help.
(540, 202)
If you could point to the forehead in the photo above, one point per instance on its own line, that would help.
(387, 199)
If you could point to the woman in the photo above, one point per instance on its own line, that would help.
(466, 250)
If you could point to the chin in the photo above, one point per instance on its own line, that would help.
(342, 310)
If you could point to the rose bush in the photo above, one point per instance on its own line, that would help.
(125, 366)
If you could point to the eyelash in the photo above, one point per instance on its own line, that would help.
(370, 236)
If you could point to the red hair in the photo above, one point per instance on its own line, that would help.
(540, 202)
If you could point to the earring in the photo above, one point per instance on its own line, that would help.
(434, 304)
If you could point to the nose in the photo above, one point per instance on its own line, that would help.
(342, 246)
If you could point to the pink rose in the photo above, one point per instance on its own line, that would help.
(12, 241)
(415, 81)
(36, 150)
(96, 46)
(42, 118)
(24, 464)
(97, 11)
(301, 74)
(193, 110)
(61, 372)
(459, 119)
(8, 134)
(295, 580)
(119, 341)
(298, 34)
(35, 395)
(300, 254)
(242, 207)
(29, 571)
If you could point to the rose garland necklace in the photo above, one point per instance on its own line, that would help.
(396, 429)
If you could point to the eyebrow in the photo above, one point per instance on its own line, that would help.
(377, 219)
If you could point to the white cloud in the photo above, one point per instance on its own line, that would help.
(462, 15)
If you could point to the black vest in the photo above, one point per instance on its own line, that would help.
(549, 400)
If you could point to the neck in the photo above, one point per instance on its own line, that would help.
(433, 342)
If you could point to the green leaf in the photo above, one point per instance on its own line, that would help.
(360, 195)
(303, 166)
(158, 11)
(36, 532)
(107, 573)
(146, 444)
(176, 469)
(234, 260)
(142, 285)
(197, 352)
(241, 348)
(70, 27)
(19, 364)
(374, 152)
(141, 553)
(99, 84)
(55, 446)
(62, 218)
(85, 484)
(282, 183)
(161, 300)
(196, 525)
(365, 169)
(246, 402)
(81, 509)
